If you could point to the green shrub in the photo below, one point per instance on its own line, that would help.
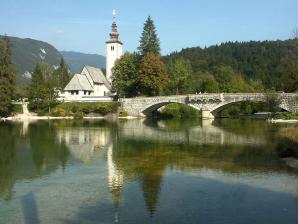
(286, 115)
(82, 109)
(58, 112)
(18, 108)
(176, 110)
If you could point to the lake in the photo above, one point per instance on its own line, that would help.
(146, 171)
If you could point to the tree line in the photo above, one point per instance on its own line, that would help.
(230, 67)
(257, 65)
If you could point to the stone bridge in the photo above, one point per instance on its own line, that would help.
(210, 104)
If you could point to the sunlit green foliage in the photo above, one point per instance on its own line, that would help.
(180, 73)
(175, 110)
(81, 109)
(268, 64)
(125, 75)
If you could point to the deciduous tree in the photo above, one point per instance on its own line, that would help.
(125, 75)
(180, 73)
(153, 75)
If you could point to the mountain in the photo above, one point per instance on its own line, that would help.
(26, 53)
(76, 60)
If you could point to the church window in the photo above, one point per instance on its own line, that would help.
(112, 48)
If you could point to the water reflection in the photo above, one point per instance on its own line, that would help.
(146, 159)
(28, 154)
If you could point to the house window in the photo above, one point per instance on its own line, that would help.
(89, 93)
(85, 92)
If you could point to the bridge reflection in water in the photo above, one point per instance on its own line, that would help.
(147, 154)
(143, 151)
(206, 133)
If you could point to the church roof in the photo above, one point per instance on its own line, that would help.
(97, 76)
(79, 82)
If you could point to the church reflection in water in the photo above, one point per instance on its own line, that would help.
(133, 151)
(88, 144)
(142, 151)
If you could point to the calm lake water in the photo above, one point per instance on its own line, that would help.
(144, 171)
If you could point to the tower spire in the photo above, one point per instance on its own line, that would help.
(114, 14)
(114, 35)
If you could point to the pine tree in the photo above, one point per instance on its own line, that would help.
(42, 94)
(62, 75)
(149, 42)
(7, 78)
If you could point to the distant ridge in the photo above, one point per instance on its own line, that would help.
(76, 60)
(26, 53)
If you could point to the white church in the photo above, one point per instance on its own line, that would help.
(91, 84)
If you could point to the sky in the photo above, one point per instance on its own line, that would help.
(84, 25)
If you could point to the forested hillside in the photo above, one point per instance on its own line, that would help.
(269, 64)
(76, 60)
(26, 53)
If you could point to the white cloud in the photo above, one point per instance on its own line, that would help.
(59, 32)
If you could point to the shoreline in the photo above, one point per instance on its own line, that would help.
(26, 117)
(23, 117)
(282, 121)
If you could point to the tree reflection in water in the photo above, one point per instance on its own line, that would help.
(140, 152)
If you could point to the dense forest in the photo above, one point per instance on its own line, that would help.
(268, 65)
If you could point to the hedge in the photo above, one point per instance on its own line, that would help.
(81, 109)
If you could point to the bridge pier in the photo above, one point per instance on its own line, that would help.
(206, 114)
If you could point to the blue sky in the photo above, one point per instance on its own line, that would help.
(84, 25)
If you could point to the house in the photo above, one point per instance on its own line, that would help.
(91, 84)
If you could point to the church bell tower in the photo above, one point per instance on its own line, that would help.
(113, 49)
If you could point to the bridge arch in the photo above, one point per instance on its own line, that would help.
(149, 109)
(224, 105)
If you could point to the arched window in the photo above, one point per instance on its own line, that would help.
(112, 48)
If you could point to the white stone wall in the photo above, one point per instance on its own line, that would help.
(100, 90)
(113, 52)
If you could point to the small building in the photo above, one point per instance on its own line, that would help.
(92, 85)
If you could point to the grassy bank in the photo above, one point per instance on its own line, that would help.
(84, 109)
(286, 116)
(176, 110)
